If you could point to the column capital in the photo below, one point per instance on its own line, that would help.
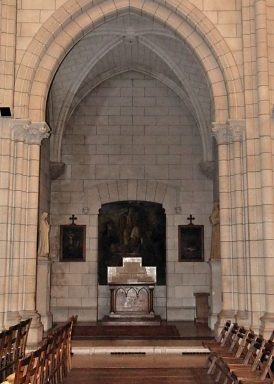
(28, 132)
(237, 129)
(221, 132)
(229, 131)
(19, 129)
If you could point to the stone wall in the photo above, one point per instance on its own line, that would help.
(130, 138)
(226, 15)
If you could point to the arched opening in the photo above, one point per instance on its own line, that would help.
(130, 97)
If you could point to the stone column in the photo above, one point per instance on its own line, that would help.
(257, 104)
(21, 140)
(43, 291)
(221, 132)
(8, 50)
(17, 192)
(266, 162)
(35, 134)
(209, 169)
(7, 165)
(216, 292)
(237, 131)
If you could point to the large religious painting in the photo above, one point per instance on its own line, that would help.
(191, 242)
(132, 229)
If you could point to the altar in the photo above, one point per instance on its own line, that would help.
(131, 294)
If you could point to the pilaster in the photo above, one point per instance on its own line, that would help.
(237, 128)
(229, 136)
(216, 292)
(266, 159)
(8, 50)
(21, 156)
(43, 291)
(221, 132)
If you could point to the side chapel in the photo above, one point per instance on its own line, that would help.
(131, 116)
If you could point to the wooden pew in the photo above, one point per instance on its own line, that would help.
(48, 364)
(13, 346)
(260, 371)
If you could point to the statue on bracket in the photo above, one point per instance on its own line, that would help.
(43, 244)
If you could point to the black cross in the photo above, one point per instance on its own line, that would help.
(190, 218)
(73, 218)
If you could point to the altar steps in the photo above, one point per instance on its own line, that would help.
(172, 338)
(124, 369)
(88, 349)
(183, 330)
(131, 321)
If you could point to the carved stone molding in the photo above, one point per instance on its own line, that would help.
(37, 132)
(229, 132)
(221, 133)
(28, 132)
(19, 129)
(207, 168)
(237, 129)
(56, 169)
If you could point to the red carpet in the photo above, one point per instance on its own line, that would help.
(125, 332)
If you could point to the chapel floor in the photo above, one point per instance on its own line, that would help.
(124, 369)
(127, 361)
(191, 337)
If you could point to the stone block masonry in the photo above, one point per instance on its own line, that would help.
(118, 155)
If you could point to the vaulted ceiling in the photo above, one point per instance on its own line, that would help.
(130, 42)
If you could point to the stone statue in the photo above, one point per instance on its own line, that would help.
(214, 218)
(43, 245)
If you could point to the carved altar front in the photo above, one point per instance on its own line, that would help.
(131, 293)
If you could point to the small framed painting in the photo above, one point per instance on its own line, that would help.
(191, 242)
(72, 242)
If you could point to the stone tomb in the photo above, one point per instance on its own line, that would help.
(131, 293)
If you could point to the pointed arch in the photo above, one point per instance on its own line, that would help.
(74, 20)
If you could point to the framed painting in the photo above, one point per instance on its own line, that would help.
(191, 242)
(72, 242)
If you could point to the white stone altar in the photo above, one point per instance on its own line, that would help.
(131, 288)
(132, 272)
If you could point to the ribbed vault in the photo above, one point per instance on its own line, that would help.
(129, 42)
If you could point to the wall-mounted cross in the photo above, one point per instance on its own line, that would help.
(190, 218)
(73, 218)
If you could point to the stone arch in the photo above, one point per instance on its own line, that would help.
(73, 20)
(145, 190)
(122, 190)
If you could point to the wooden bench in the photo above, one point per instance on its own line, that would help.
(241, 357)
